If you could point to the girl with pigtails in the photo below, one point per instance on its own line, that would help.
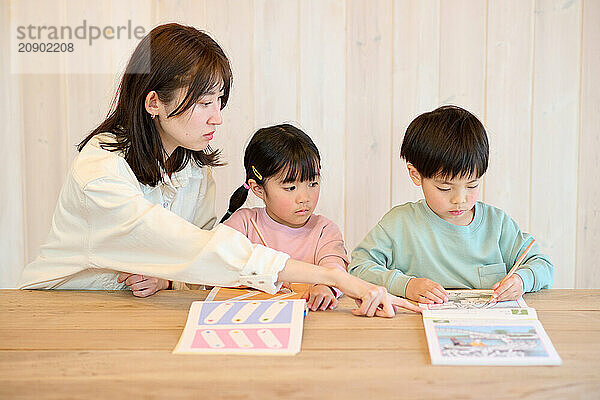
(283, 169)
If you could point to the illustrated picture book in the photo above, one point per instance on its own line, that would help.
(464, 299)
(492, 336)
(243, 327)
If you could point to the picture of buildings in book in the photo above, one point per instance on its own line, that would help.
(470, 299)
(490, 341)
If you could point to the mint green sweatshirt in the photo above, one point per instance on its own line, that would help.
(412, 241)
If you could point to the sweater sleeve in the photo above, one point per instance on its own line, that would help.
(331, 251)
(372, 261)
(536, 270)
(130, 234)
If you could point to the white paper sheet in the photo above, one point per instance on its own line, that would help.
(243, 327)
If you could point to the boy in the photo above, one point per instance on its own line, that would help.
(449, 239)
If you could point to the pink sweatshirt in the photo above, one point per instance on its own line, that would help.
(318, 242)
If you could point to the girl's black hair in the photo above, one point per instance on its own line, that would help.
(170, 57)
(448, 142)
(275, 149)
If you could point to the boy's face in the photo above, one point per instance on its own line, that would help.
(453, 200)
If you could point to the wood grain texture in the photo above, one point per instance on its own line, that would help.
(344, 374)
(322, 96)
(43, 118)
(368, 116)
(88, 96)
(508, 107)
(462, 54)
(187, 12)
(104, 350)
(554, 150)
(587, 274)
(12, 205)
(276, 60)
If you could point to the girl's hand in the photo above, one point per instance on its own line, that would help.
(141, 285)
(320, 297)
(425, 291)
(511, 289)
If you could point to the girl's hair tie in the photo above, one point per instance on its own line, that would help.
(246, 186)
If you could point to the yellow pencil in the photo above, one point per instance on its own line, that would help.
(514, 268)
(262, 238)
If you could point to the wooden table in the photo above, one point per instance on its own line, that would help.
(72, 344)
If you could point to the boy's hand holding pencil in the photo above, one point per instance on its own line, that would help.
(511, 287)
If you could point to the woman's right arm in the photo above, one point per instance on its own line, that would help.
(130, 234)
(371, 300)
(103, 222)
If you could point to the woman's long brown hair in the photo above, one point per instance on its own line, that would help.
(170, 57)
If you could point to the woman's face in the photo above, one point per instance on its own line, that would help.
(194, 128)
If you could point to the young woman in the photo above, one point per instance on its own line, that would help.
(139, 196)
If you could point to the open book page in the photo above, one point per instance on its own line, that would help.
(472, 299)
(492, 314)
(500, 336)
(221, 293)
(243, 327)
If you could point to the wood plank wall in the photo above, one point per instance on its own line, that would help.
(353, 74)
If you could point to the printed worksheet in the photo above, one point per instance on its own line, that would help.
(243, 327)
(464, 299)
(503, 336)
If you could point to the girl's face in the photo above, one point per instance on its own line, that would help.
(290, 204)
(193, 129)
(453, 200)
